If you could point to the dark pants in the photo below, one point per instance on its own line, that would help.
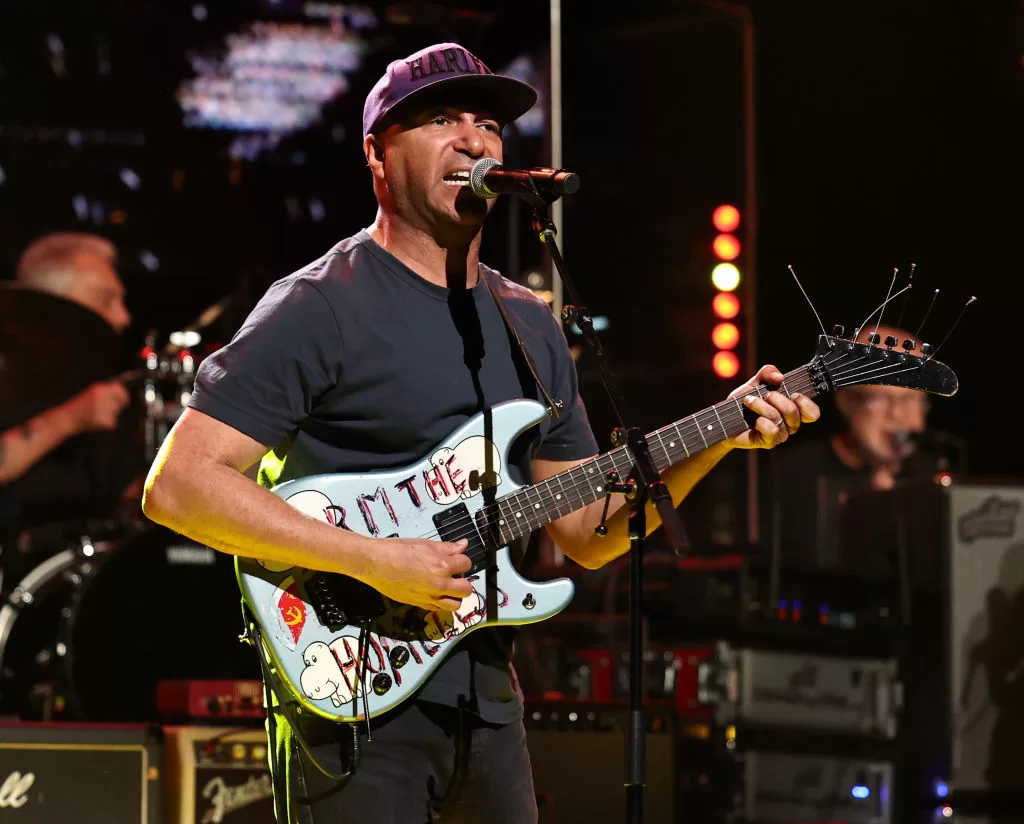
(426, 764)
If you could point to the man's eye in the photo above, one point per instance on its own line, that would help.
(441, 120)
(491, 127)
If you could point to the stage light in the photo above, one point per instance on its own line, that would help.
(725, 335)
(860, 791)
(725, 364)
(726, 305)
(726, 218)
(726, 247)
(725, 277)
(130, 179)
(149, 260)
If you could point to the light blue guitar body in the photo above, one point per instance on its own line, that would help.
(332, 671)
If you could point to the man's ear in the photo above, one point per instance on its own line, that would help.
(373, 148)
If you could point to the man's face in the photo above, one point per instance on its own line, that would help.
(424, 163)
(97, 287)
(878, 415)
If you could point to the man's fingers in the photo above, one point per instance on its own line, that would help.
(460, 563)
(457, 588)
(809, 410)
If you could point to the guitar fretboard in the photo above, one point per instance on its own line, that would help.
(529, 508)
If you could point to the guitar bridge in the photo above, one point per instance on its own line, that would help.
(339, 600)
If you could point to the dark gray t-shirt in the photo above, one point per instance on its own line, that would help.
(355, 363)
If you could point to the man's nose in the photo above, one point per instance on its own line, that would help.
(470, 141)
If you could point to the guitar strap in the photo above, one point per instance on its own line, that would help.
(553, 405)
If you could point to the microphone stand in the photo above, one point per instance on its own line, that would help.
(643, 484)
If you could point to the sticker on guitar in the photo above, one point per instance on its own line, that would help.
(332, 670)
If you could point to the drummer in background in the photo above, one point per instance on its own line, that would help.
(885, 441)
(68, 462)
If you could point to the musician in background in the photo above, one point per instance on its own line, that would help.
(367, 359)
(59, 464)
(884, 441)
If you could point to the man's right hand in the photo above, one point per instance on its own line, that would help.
(95, 407)
(419, 571)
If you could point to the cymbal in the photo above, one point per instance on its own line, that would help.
(50, 349)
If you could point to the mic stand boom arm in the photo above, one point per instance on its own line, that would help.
(643, 484)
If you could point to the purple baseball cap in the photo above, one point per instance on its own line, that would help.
(451, 67)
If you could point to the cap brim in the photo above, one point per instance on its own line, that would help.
(506, 97)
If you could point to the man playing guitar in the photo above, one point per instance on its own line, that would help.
(365, 360)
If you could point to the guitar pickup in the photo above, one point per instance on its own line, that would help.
(339, 600)
(454, 524)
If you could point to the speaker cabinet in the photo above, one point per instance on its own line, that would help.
(80, 774)
(218, 775)
(578, 753)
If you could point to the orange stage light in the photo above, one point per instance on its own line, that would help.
(725, 336)
(726, 364)
(726, 218)
(726, 305)
(726, 247)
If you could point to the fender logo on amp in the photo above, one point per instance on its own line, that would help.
(12, 791)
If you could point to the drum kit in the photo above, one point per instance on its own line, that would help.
(96, 612)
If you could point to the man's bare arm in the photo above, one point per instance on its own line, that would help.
(198, 487)
(96, 407)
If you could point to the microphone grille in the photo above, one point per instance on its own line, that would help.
(476, 177)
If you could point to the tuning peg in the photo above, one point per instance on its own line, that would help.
(926, 349)
(874, 338)
(891, 341)
(837, 331)
(909, 345)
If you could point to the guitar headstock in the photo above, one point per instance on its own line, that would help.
(839, 362)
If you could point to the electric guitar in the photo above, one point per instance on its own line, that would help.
(340, 650)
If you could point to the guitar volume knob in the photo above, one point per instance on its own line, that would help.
(381, 683)
(399, 657)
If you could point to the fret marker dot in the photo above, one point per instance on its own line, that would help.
(599, 489)
(558, 497)
(671, 443)
(591, 471)
(710, 427)
(501, 520)
(519, 514)
(536, 506)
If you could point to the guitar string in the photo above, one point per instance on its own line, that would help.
(577, 489)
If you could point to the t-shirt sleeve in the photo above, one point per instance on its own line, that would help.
(570, 437)
(285, 356)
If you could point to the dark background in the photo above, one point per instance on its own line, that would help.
(886, 133)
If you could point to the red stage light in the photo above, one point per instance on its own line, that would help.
(726, 218)
(725, 336)
(726, 305)
(726, 247)
(726, 364)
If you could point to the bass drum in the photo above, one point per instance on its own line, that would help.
(32, 652)
(160, 607)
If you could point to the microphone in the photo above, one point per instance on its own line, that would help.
(488, 178)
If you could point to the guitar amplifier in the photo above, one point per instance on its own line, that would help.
(578, 754)
(218, 775)
(958, 548)
(80, 774)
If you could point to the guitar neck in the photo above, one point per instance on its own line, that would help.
(531, 507)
